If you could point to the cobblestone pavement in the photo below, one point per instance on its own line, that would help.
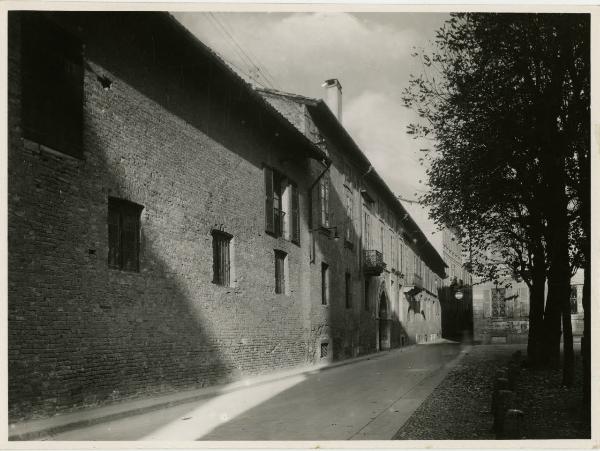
(460, 407)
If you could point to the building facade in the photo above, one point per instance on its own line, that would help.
(384, 271)
(501, 310)
(170, 228)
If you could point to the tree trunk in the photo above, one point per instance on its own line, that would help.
(535, 342)
(552, 327)
(585, 340)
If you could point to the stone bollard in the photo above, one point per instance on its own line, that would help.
(512, 429)
(505, 399)
(512, 374)
(517, 355)
(501, 383)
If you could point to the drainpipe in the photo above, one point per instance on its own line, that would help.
(310, 211)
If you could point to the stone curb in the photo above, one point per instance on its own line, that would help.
(36, 429)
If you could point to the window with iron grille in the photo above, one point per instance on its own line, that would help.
(573, 299)
(498, 302)
(282, 206)
(221, 258)
(324, 349)
(324, 283)
(280, 272)
(348, 290)
(123, 234)
(52, 85)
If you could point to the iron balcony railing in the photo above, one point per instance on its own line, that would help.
(279, 216)
(413, 280)
(374, 264)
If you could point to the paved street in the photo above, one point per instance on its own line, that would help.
(370, 399)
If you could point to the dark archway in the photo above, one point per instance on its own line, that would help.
(384, 322)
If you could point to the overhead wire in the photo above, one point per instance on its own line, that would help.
(260, 66)
(242, 54)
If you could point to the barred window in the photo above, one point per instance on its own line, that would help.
(52, 85)
(221, 258)
(123, 234)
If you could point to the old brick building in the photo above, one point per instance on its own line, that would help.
(381, 271)
(168, 228)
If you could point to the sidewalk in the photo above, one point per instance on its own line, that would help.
(460, 407)
(38, 429)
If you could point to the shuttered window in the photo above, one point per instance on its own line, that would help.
(52, 85)
(282, 206)
(324, 199)
(280, 273)
(221, 257)
(123, 234)
(295, 214)
(269, 201)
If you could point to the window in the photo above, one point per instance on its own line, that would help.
(123, 234)
(350, 216)
(348, 290)
(52, 84)
(324, 349)
(367, 236)
(347, 174)
(573, 299)
(221, 258)
(282, 206)
(280, 272)
(324, 283)
(366, 295)
(324, 199)
(498, 302)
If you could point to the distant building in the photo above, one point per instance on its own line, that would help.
(501, 310)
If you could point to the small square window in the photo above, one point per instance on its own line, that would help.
(324, 349)
(123, 234)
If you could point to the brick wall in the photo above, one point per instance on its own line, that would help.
(83, 334)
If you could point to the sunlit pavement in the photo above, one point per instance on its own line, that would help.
(369, 399)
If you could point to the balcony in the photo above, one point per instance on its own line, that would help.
(413, 280)
(374, 264)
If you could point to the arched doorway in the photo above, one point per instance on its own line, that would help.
(384, 323)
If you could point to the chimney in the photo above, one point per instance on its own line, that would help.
(333, 97)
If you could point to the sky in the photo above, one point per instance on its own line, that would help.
(369, 53)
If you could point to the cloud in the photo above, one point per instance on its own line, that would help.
(303, 49)
(378, 125)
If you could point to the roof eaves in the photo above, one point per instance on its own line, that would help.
(322, 107)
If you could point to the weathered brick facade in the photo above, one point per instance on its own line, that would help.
(398, 305)
(81, 333)
(168, 126)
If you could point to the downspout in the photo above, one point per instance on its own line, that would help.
(310, 211)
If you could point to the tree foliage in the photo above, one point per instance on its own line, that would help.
(505, 99)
